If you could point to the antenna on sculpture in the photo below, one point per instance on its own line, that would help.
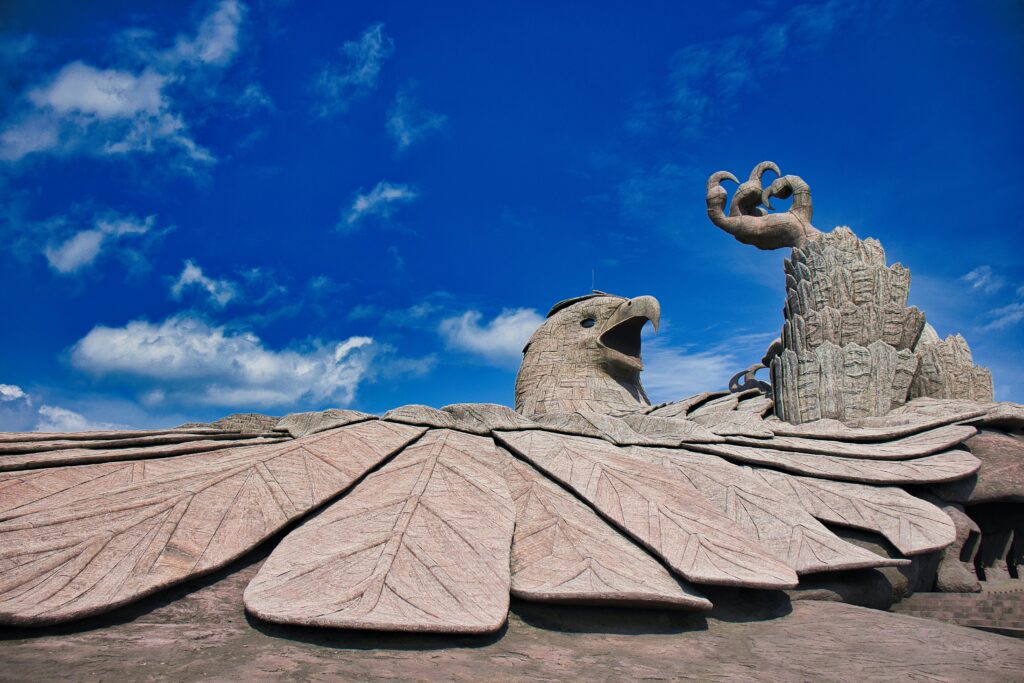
(591, 279)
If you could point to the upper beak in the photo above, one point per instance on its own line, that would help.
(645, 307)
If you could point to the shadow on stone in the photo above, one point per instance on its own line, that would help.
(606, 619)
(167, 597)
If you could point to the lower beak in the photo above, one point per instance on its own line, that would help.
(622, 331)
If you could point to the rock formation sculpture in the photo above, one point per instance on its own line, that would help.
(428, 520)
(850, 344)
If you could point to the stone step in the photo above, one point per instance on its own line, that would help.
(996, 611)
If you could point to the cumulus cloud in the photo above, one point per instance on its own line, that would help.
(118, 111)
(674, 373)
(188, 359)
(82, 248)
(219, 292)
(56, 419)
(338, 85)
(18, 413)
(408, 122)
(381, 201)
(499, 341)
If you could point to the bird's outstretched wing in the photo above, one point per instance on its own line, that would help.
(433, 517)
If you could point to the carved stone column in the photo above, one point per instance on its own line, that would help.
(848, 336)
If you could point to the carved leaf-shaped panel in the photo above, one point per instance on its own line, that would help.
(932, 469)
(914, 446)
(562, 551)
(97, 542)
(84, 453)
(912, 525)
(420, 545)
(780, 525)
(657, 507)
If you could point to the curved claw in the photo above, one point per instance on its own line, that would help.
(716, 179)
(763, 167)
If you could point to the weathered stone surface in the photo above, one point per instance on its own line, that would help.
(482, 418)
(909, 523)
(657, 507)
(199, 632)
(25, 437)
(904, 421)
(298, 425)
(1001, 477)
(563, 552)
(784, 529)
(734, 423)
(421, 545)
(670, 431)
(682, 408)
(423, 416)
(38, 446)
(946, 369)
(914, 446)
(956, 562)
(246, 422)
(84, 456)
(941, 467)
(599, 426)
(82, 548)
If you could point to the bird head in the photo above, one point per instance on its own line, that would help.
(588, 350)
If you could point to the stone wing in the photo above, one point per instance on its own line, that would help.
(80, 539)
(420, 545)
(433, 517)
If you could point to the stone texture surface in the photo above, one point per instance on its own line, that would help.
(657, 507)
(768, 518)
(75, 544)
(942, 467)
(85, 453)
(199, 632)
(563, 552)
(1001, 477)
(946, 369)
(912, 525)
(298, 425)
(421, 545)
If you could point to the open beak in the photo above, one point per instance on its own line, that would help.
(621, 334)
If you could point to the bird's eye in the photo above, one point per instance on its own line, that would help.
(587, 322)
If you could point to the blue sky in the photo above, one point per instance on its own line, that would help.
(279, 206)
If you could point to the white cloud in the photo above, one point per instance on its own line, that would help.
(216, 41)
(11, 392)
(339, 85)
(500, 341)
(408, 122)
(192, 361)
(56, 419)
(81, 89)
(220, 292)
(673, 373)
(1005, 316)
(118, 111)
(18, 414)
(984, 279)
(83, 247)
(381, 201)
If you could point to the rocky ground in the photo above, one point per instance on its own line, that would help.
(199, 631)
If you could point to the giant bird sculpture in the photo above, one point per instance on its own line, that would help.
(428, 520)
